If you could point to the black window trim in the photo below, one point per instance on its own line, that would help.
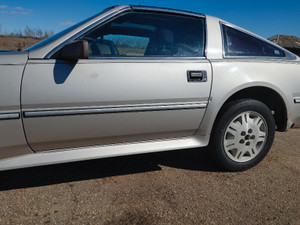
(288, 55)
(139, 8)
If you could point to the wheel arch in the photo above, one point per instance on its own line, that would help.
(271, 98)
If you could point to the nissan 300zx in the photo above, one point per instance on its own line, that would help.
(136, 79)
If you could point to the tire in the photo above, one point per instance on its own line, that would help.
(242, 135)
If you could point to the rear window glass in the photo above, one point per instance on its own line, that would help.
(238, 43)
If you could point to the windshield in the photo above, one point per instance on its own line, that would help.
(64, 32)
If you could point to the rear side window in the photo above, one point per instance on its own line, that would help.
(146, 34)
(238, 43)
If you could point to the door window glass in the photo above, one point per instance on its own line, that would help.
(137, 34)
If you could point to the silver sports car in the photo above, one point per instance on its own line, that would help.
(136, 79)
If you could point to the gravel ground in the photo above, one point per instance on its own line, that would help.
(179, 187)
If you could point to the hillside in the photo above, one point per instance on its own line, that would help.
(17, 43)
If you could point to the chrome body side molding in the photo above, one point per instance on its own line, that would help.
(9, 116)
(104, 110)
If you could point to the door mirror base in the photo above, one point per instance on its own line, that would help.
(73, 51)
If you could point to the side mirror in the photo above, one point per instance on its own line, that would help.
(74, 51)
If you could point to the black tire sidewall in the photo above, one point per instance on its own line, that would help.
(228, 113)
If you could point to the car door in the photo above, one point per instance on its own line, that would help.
(146, 79)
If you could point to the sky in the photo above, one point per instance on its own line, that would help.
(263, 17)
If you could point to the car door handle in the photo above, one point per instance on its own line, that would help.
(196, 76)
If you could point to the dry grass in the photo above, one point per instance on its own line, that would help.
(17, 43)
(129, 51)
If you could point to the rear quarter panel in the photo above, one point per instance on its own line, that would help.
(233, 75)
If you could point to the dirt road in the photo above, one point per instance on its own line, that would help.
(182, 187)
